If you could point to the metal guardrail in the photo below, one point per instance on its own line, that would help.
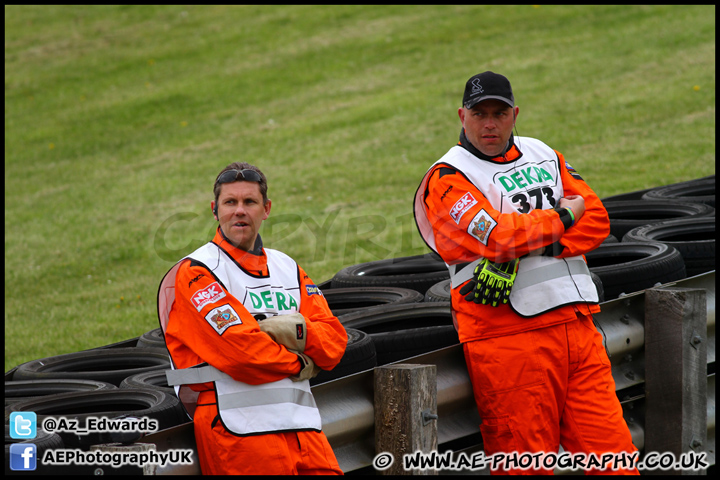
(346, 404)
(622, 322)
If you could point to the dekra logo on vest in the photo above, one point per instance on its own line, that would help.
(269, 300)
(524, 178)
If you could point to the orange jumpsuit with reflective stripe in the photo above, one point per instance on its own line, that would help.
(249, 355)
(543, 380)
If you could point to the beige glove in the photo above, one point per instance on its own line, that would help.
(289, 330)
(308, 371)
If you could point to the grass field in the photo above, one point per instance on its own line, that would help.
(118, 118)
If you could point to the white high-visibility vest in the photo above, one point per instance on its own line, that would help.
(246, 409)
(527, 183)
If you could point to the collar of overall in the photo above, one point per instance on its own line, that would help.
(510, 153)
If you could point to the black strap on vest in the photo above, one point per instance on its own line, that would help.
(215, 421)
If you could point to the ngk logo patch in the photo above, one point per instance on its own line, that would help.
(461, 206)
(210, 294)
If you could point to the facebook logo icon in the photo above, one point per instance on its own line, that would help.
(23, 425)
(23, 456)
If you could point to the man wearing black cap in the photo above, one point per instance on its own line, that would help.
(512, 220)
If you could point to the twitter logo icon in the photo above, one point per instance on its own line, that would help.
(23, 425)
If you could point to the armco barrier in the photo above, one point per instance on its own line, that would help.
(347, 410)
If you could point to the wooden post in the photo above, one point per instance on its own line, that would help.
(405, 414)
(675, 373)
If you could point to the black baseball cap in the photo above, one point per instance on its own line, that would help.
(486, 85)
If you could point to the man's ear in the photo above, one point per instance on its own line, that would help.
(267, 205)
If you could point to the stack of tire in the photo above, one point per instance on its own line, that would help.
(660, 235)
(396, 329)
(115, 381)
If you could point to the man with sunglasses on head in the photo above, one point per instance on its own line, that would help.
(512, 220)
(246, 330)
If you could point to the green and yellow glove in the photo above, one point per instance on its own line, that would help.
(491, 282)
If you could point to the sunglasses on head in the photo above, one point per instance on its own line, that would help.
(234, 175)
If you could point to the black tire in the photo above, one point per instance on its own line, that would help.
(598, 286)
(347, 300)
(693, 238)
(630, 267)
(628, 214)
(418, 273)
(129, 343)
(440, 292)
(43, 441)
(638, 194)
(154, 379)
(17, 391)
(111, 365)
(634, 195)
(611, 239)
(701, 190)
(402, 331)
(9, 374)
(326, 285)
(154, 404)
(152, 339)
(403, 344)
(391, 318)
(359, 356)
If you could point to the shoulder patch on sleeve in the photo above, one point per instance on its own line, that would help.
(221, 318)
(572, 171)
(481, 225)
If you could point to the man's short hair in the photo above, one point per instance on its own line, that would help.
(242, 166)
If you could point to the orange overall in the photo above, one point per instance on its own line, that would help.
(251, 356)
(538, 381)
